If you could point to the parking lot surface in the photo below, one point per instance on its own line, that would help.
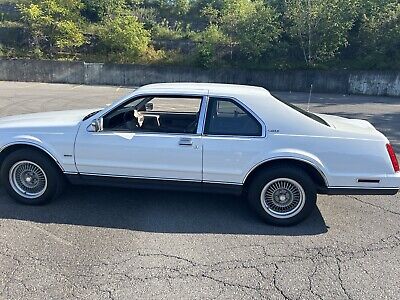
(109, 243)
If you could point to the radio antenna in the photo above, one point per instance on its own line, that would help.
(309, 98)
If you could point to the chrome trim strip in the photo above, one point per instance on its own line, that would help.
(152, 178)
(70, 173)
(203, 97)
(289, 157)
(144, 94)
(145, 133)
(33, 145)
(260, 121)
(222, 182)
(202, 116)
(139, 177)
(194, 94)
(235, 136)
(361, 188)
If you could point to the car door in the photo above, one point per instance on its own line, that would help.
(137, 153)
(232, 141)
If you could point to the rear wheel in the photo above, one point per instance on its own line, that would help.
(30, 177)
(282, 195)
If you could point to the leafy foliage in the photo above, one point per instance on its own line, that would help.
(126, 36)
(381, 28)
(256, 30)
(241, 28)
(250, 33)
(96, 10)
(53, 23)
(320, 27)
(212, 40)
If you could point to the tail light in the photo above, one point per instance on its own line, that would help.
(393, 158)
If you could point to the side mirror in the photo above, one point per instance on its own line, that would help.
(96, 125)
(149, 106)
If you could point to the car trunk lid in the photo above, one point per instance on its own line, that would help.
(351, 125)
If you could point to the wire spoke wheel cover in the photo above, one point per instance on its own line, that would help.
(28, 179)
(282, 198)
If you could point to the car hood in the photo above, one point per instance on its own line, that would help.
(55, 119)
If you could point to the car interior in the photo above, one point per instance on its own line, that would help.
(226, 118)
(156, 114)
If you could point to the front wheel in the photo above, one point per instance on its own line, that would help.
(282, 195)
(30, 177)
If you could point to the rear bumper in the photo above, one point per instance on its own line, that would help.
(360, 191)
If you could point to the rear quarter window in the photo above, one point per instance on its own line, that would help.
(226, 117)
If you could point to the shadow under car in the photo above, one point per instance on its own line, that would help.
(154, 211)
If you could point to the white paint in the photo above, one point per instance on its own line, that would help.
(344, 152)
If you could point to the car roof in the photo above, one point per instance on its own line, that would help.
(221, 89)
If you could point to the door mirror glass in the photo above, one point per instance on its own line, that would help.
(149, 106)
(96, 125)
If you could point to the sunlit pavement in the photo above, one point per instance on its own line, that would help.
(104, 243)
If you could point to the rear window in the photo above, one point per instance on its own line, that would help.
(306, 113)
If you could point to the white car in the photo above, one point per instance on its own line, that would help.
(204, 137)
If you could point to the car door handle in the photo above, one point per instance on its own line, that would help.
(185, 142)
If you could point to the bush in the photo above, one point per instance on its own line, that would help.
(53, 23)
(210, 42)
(125, 36)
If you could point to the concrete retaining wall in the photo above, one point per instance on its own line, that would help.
(375, 83)
(42, 71)
(347, 82)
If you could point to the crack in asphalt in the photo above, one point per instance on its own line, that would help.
(370, 276)
(207, 271)
(274, 281)
(168, 256)
(189, 268)
(310, 277)
(374, 205)
(339, 276)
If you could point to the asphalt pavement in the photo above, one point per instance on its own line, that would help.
(109, 243)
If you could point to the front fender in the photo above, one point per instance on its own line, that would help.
(36, 142)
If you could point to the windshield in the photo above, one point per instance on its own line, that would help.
(304, 112)
(130, 104)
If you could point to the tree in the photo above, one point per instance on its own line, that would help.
(172, 9)
(380, 29)
(125, 36)
(97, 10)
(53, 24)
(249, 27)
(320, 27)
(209, 50)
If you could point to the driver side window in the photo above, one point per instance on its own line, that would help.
(164, 114)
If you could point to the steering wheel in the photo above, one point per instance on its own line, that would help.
(128, 116)
(191, 128)
(130, 121)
